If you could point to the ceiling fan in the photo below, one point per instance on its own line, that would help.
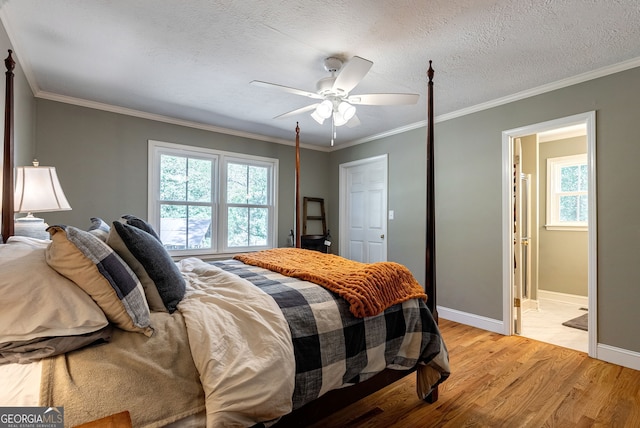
(334, 97)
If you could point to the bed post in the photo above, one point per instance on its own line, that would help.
(430, 254)
(7, 164)
(430, 265)
(297, 202)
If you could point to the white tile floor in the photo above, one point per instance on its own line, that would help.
(545, 325)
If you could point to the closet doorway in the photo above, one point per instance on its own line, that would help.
(549, 231)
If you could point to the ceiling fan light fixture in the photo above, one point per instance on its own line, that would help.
(317, 117)
(339, 119)
(346, 110)
(324, 109)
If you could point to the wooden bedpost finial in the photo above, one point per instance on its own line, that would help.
(297, 128)
(430, 72)
(9, 62)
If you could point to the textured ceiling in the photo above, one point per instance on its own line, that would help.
(192, 61)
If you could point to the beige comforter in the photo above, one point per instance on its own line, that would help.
(240, 344)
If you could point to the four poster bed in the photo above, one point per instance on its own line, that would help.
(102, 321)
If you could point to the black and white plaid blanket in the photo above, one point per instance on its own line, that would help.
(332, 347)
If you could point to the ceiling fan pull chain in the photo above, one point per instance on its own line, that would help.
(333, 131)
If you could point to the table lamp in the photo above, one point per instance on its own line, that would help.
(37, 190)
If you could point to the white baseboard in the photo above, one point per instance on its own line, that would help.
(564, 298)
(530, 305)
(619, 356)
(473, 320)
(610, 354)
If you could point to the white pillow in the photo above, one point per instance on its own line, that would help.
(36, 300)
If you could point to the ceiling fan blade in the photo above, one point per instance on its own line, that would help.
(384, 99)
(286, 89)
(353, 122)
(297, 111)
(351, 74)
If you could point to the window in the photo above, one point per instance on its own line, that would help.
(247, 203)
(567, 192)
(203, 201)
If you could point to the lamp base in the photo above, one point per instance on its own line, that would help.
(32, 227)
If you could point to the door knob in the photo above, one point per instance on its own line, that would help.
(381, 236)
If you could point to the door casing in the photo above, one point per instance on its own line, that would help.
(588, 118)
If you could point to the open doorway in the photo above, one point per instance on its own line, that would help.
(550, 259)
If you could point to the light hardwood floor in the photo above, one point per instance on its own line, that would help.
(506, 381)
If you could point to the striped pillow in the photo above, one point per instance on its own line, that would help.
(93, 266)
(99, 228)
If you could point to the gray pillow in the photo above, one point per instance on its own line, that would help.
(156, 261)
(140, 224)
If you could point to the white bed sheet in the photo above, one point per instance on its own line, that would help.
(20, 384)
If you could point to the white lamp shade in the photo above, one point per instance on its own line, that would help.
(38, 190)
(347, 111)
(317, 117)
(324, 109)
(338, 119)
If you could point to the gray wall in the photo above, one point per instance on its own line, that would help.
(564, 258)
(468, 199)
(101, 160)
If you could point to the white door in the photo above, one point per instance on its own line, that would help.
(363, 210)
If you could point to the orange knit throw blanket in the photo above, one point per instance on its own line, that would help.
(370, 288)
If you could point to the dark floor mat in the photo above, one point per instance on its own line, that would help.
(580, 322)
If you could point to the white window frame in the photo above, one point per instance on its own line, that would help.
(218, 201)
(554, 165)
(224, 206)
